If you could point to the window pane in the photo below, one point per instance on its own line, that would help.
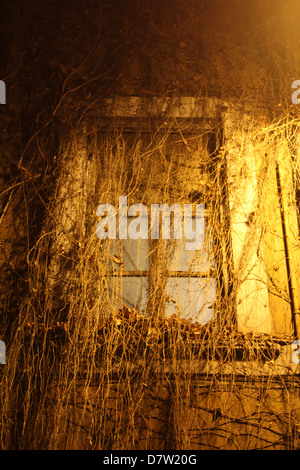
(129, 291)
(134, 254)
(191, 298)
(187, 260)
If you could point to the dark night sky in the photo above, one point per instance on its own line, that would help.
(134, 46)
(80, 50)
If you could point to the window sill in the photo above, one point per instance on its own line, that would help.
(132, 336)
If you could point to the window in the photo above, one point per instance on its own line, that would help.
(164, 274)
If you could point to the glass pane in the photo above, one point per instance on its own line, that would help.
(134, 254)
(191, 298)
(129, 291)
(184, 259)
